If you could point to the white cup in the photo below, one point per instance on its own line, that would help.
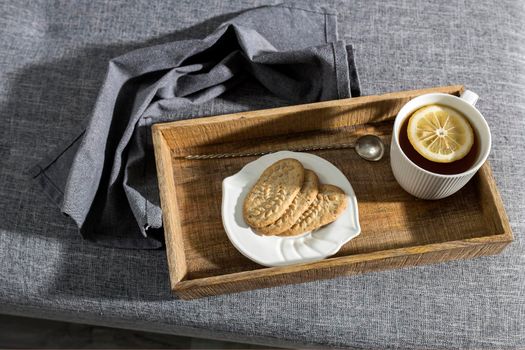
(422, 183)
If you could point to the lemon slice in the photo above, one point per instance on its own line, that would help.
(440, 134)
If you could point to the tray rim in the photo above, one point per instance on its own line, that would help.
(344, 260)
(274, 112)
(177, 263)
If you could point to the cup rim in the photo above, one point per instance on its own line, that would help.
(470, 171)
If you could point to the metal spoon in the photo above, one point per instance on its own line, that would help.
(369, 147)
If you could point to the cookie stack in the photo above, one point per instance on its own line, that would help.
(288, 200)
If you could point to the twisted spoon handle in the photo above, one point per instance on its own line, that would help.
(251, 154)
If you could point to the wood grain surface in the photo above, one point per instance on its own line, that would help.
(398, 230)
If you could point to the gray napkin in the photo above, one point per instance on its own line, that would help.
(105, 179)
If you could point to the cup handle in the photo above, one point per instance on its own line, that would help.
(469, 97)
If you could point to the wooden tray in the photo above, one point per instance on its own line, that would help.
(398, 230)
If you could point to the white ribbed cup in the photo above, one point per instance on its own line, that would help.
(423, 183)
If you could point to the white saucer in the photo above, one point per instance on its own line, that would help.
(281, 251)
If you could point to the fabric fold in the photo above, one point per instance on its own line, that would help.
(111, 189)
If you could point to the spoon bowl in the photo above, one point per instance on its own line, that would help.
(370, 147)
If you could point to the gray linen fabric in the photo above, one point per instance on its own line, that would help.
(111, 189)
(52, 63)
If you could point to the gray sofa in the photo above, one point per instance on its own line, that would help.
(47, 271)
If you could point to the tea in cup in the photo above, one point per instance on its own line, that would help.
(439, 142)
